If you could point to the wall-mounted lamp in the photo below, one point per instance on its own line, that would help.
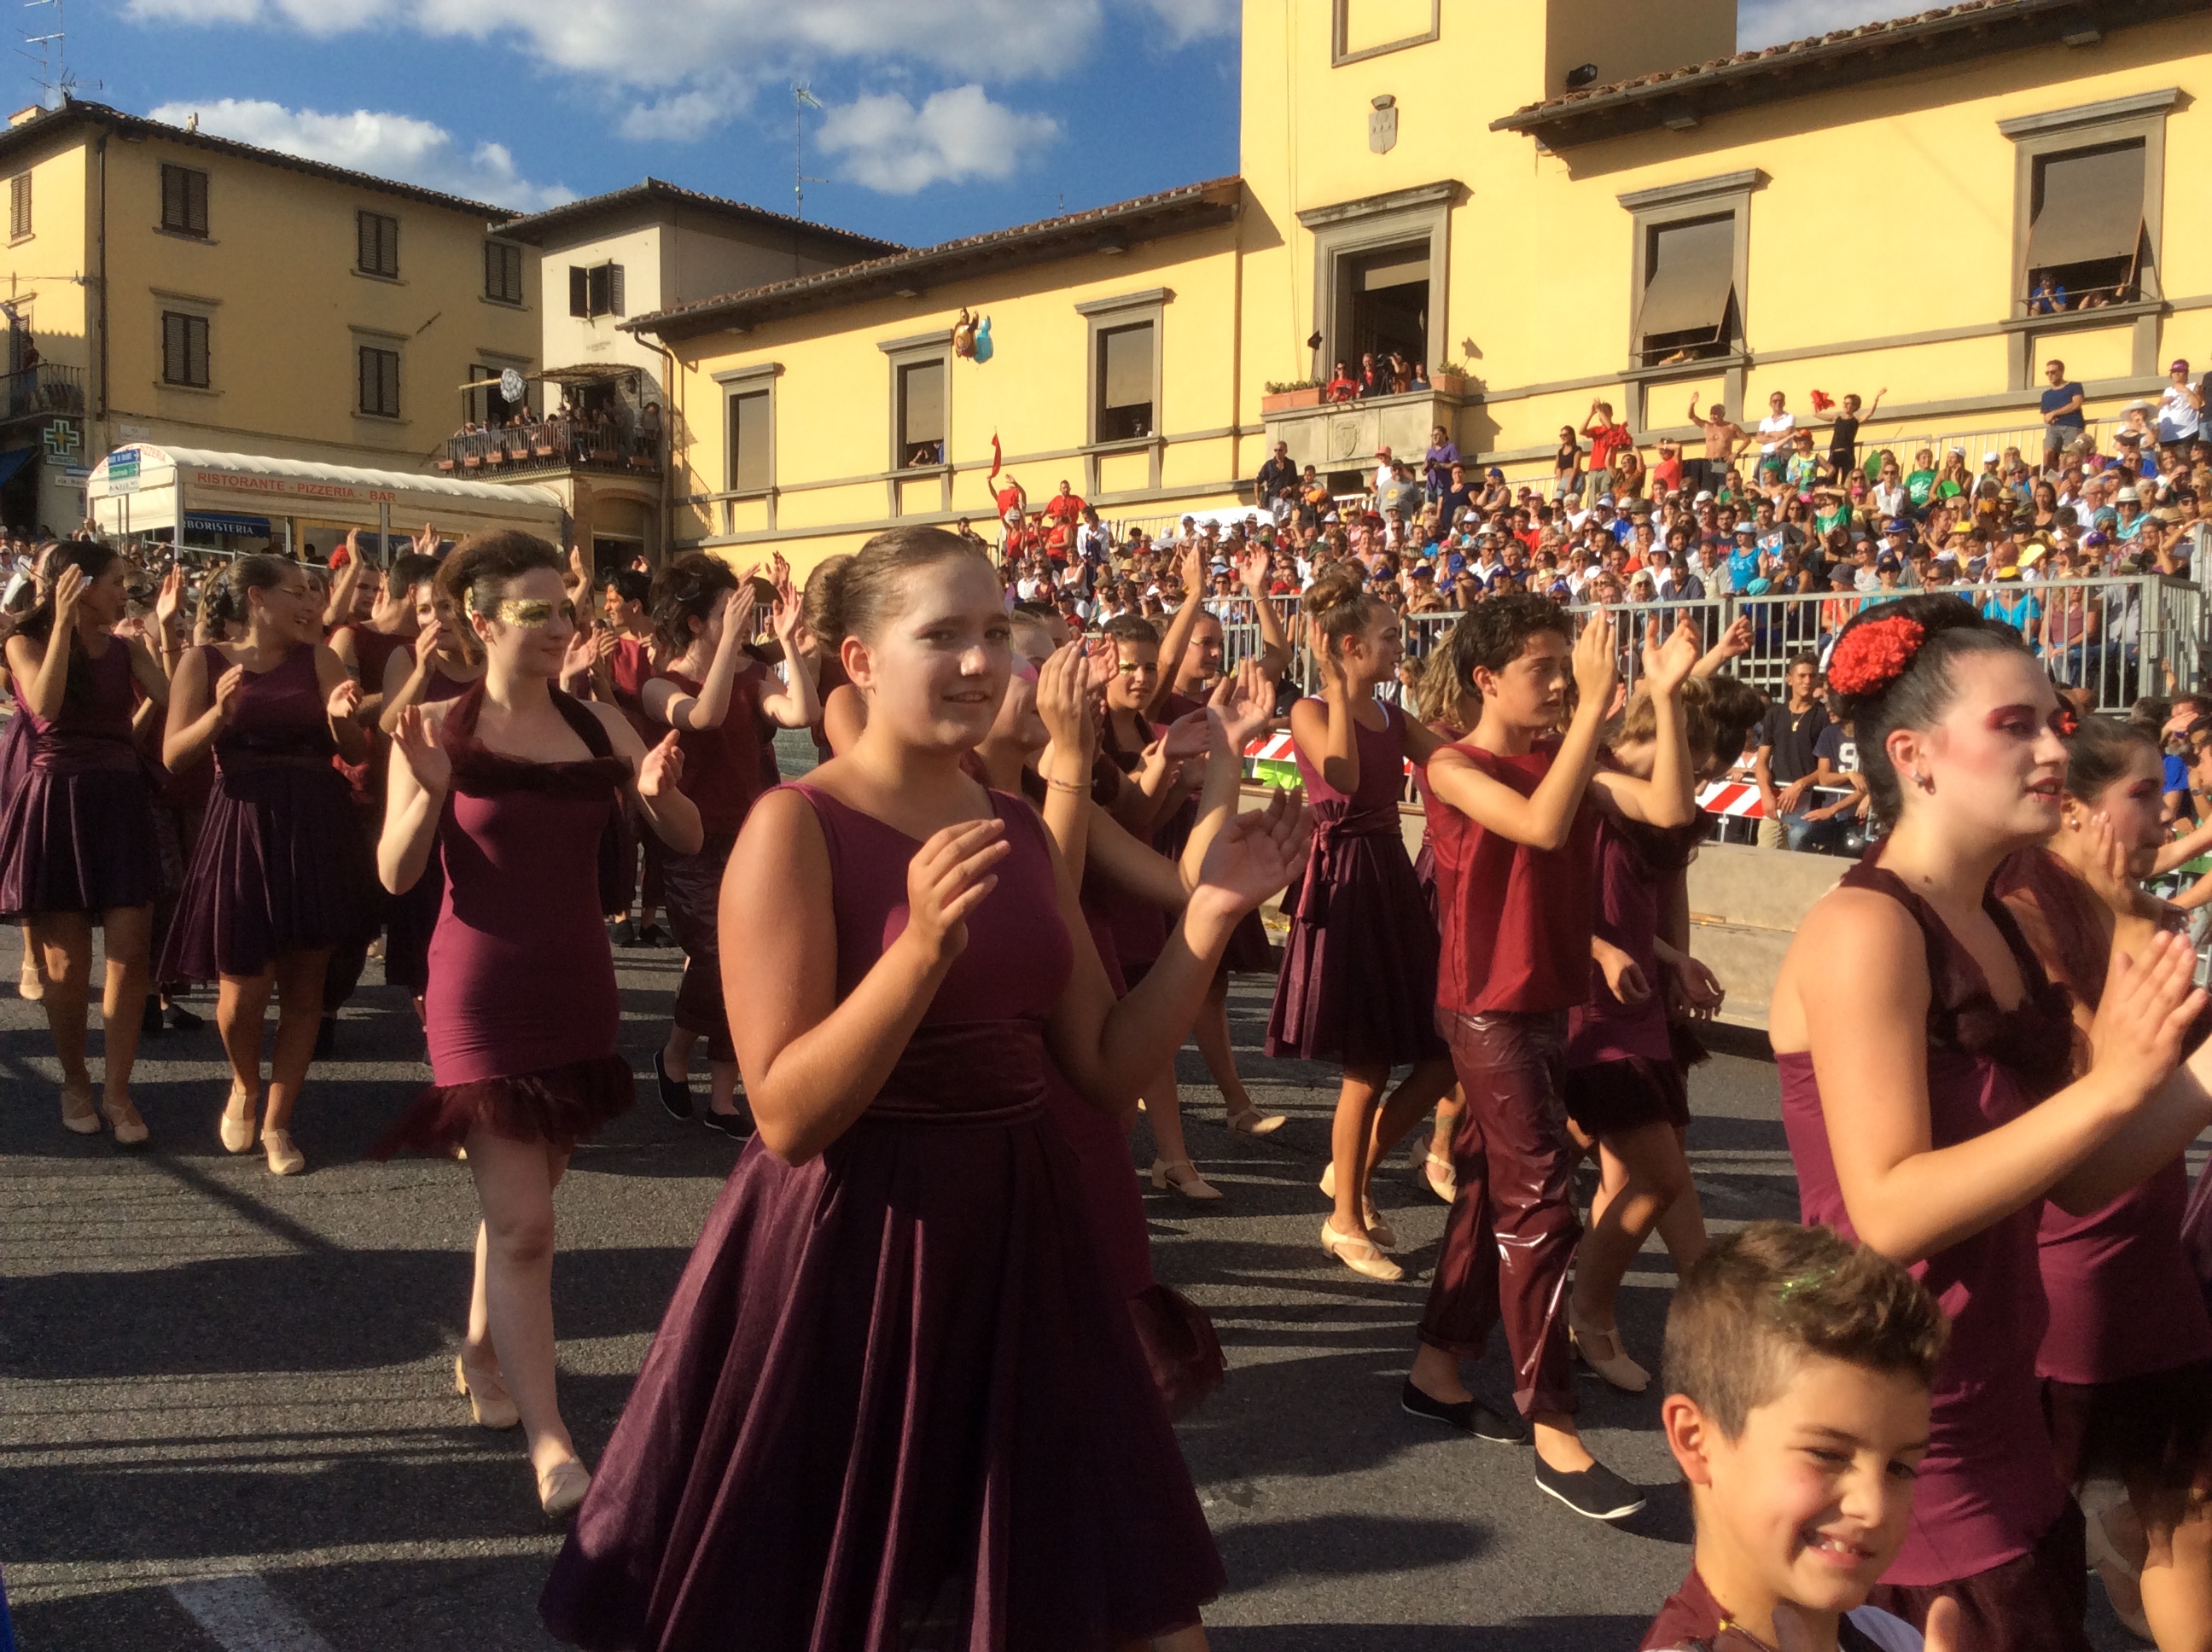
(1581, 75)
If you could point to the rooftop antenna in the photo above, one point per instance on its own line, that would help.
(802, 99)
(50, 51)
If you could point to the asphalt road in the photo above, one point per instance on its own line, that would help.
(226, 1421)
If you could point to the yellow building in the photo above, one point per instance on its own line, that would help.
(1549, 202)
(186, 291)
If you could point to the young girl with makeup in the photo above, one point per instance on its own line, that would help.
(280, 876)
(78, 845)
(1515, 824)
(718, 700)
(1358, 979)
(897, 1395)
(443, 666)
(2126, 1362)
(1933, 1108)
(509, 787)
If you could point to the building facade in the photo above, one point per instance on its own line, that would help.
(1548, 204)
(168, 287)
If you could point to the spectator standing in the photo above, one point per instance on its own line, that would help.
(1724, 439)
(1843, 433)
(1438, 463)
(1777, 433)
(1607, 438)
(1277, 489)
(2061, 404)
(1787, 761)
(2180, 411)
(1567, 465)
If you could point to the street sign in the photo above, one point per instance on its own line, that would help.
(123, 470)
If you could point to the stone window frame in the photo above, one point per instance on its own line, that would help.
(1109, 314)
(904, 353)
(2060, 132)
(1340, 24)
(1654, 209)
(760, 376)
(1351, 229)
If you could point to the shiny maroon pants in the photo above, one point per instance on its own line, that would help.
(693, 886)
(1513, 1228)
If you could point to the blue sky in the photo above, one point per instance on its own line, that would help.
(941, 117)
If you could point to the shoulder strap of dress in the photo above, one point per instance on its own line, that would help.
(581, 720)
(1934, 937)
(460, 724)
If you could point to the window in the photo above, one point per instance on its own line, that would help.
(1368, 28)
(596, 290)
(379, 381)
(921, 413)
(1125, 382)
(1687, 310)
(2086, 223)
(19, 206)
(1383, 296)
(752, 468)
(184, 349)
(378, 252)
(183, 201)
(503, 272)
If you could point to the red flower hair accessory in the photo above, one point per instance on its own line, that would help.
(2066, 722)
(1874, 655)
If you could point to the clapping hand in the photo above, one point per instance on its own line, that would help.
(660, 771)
(2147, 1006)
(1667, 665)
(1793, 1634)
(2107, 871)
(418, 748)
(1595, 668)
(948, 878)
(69, 586)
(171, 598)
(1189, 735)
(1258, 854)
(228, 689)
(344, 700)
(1063, 700)
(426, 543)
(1246, 703)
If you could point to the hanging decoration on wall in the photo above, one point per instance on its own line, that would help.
(963, 336)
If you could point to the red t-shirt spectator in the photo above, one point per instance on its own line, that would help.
(1605, 443)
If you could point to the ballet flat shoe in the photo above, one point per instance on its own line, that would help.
(30, 985)
(129, 1129)
(1379, 1231)
(1436, 1174)
(488, 1403)
(1329, 1179)
(239, 1135)
(284, 1159)
(2122, 1582)
(1602, 1353)
(80, 1113)
(1253, 1122)
(1360, 1254)
(1193, 1185)
(561, 1489)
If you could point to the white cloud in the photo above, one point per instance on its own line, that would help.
(682, 116)
(1186, 20)
(1773, 22)
(885, 143)
(388, 145)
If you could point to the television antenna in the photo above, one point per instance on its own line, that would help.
(802, 99)
(50, 51)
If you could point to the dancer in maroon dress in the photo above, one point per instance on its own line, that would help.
(281, 876)
(2127, 1361)
(509, 787)
(1929, 1109)
(1358, 983)
(1513, 827)
(896, 1401)
(716, 698)
(77, 838)
(440, 666)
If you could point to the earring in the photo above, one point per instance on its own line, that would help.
(1923, 782)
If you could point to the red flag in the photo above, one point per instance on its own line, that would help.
(995, 462)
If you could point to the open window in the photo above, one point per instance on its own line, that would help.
(596, 290)
(920, 413)
(2086, 233)
(1127, 356)
(1687, 309)
(1382, 303)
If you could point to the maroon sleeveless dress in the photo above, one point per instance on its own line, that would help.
(897, 1392)
(2127, 1361)
(522, 1013)
(410, 918)
(281, 864)
(1358, 983)
(77, 832)
(1991, 1524)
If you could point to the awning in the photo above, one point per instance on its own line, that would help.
(2091, 208)
(1692, 276)
(590, 374)
(14, 461)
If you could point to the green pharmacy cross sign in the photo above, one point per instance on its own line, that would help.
(61, 439)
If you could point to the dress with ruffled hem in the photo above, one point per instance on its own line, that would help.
(561, 1105)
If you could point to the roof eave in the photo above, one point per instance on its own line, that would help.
(538, 226)
(1208, 205)
(1695, 93)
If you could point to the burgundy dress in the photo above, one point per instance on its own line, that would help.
(523, 1014)
(410, 918)
(1991, 1520)
(281, 864)
(897, 1393)
(77, 831)
(1358, 984)
(2127, 1362)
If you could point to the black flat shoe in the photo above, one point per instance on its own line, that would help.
(149, 1019)
(326, 1039)
(183, 1020)
(737, 1127)
(653, 935)
(675, 1093)
(624, 932)
(1469, 1416)
(1594, 1493)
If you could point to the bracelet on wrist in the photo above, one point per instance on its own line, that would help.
(1069, 786)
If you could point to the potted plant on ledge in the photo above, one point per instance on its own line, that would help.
(1282, 397)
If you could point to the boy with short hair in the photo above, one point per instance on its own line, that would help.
(1798, 1367)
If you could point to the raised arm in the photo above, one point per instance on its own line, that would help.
(1326, 733)
(798, 702)
(656, 782)
(1669, 798)
(1274, 641)
(667, 703)
(1185, 621)
(198, 709)
(42, 674)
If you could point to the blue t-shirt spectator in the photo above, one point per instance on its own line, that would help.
(2056, 397)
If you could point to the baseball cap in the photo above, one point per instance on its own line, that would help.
(1382, 452)
(2093, 538)
(2127, 496)
(1896, 525)
(1704, 496)
(2177, 365)
(1991, 457)
(1746, 530)
(1885, 564)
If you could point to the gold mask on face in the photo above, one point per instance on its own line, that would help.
(530, 614)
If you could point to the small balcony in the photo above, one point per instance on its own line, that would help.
(1345, 435)
(41, 392)
(609, 440)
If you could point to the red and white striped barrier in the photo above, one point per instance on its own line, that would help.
(1733, 801)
